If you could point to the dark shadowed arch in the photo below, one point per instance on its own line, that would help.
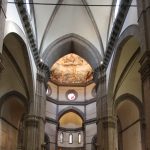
(8, 95)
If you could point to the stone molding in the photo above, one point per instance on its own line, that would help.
(123, 10)
(31, 120)
(84, 103)
(108, 121)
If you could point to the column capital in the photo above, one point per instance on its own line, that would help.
(145, 66)
(31, 120)
(108, 121)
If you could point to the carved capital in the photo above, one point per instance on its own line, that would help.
(108, 122)
(145, 66)
(31, 120)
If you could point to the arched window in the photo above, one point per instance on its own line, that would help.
(79, 138)
(70, 138)
(61, 137)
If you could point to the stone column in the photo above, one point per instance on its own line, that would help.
(41, 106)
(106, 123)
(145, 76)
(3, 4)
(101, 111)
(35, 120)
(144, 26)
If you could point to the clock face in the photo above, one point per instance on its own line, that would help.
(71, 96)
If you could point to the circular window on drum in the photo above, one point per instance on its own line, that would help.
(71, 95)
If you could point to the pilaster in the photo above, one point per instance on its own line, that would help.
(102, 137)
(1, 64)
(35, 120)
(145, 78)
(144, 24)
(31, 132)
(41, 105)
(3, 4)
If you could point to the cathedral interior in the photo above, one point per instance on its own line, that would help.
(74, 74)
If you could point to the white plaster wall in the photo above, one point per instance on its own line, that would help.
(10, 73)
(128, 115)
(131, 83)
(91, 111)
(131, 138)
(132, 17)
(101, 16)
(54, 89)
(88, 92)
(51, 110)
(12, 15)
(71, 20)
(41, 25)
(79, 90)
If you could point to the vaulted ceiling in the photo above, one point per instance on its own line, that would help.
(90, 22)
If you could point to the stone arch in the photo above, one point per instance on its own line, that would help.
(14, 42)
(13, 108)
(129, 113)
(132, 98)
(71, 109)
(72, 43)
(16, 94)
(130, 31)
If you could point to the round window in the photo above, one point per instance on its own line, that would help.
(71, 95)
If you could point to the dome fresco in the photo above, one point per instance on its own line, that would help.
(71, 69)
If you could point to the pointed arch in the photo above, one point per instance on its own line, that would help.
(71, 109)
(72, 43)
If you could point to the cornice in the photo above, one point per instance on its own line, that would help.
(72, 84)
(30, 35)
(117, 26)
(71, 129)
(87, 122)
(29, 30)
(84, 103)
